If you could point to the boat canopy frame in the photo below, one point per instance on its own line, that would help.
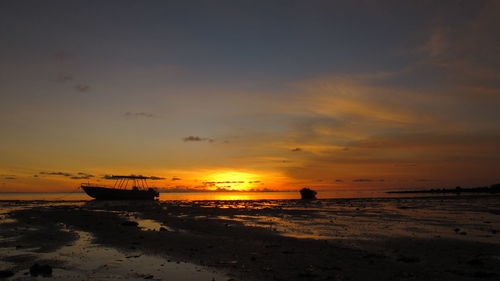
(122, 182)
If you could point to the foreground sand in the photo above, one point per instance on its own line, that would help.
(397, 239)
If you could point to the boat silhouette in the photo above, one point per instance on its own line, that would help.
(307, 193)
(139, 189)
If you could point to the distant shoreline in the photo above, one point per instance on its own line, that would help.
(493, 189)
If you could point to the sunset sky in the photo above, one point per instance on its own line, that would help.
(250, 94)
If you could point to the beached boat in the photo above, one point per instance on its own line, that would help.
(139, 190)
(307, 193)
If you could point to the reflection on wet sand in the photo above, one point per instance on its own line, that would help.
(369, 219)
(435, 238)
(82, 259)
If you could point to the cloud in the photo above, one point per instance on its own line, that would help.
(466, 49)
(362, 180)
(78, 176)
(82, 88)
(193, 138)
(367, 180)
(140, 114)
(221, 182)
(424, 180)
(64, 77)
(431, 140)
(64, 174)
(155, 178)
(296, 149)
(339, 180)
(111, 177)
(8, 177)
(353, 122)
(197, 139)
(343, 101)
(81, 176)
(175, 179)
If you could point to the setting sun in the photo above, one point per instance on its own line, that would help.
(232, 180)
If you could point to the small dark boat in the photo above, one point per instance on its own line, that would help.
(139, 191)
(307, 193)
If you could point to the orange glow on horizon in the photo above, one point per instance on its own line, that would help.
(233, 180)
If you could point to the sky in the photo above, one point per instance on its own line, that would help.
(250, 95)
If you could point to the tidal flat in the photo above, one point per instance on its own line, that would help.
(427, 238)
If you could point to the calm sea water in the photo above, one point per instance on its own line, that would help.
(195, 196)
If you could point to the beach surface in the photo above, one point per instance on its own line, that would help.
(428, 238)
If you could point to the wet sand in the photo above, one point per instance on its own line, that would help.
(340, 239)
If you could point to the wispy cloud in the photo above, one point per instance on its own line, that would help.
(368, 180)
(111, 177)
(197, 139)
(82, 88)
(140, 114)
(362, 180)
(64, 77)
(81, 176)
(77, 176)
(466, 50)
(425, 180)
(221, 182)
(64, 174)
(374, 120)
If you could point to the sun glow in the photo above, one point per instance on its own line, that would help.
(232, 180)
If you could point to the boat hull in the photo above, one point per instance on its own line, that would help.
(106, 193)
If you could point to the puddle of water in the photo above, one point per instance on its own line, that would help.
(6, 219)
(84, 260)
(151, 225)
(146, 224)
